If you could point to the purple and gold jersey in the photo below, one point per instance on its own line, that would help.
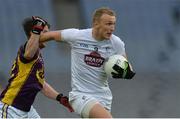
(27, 78)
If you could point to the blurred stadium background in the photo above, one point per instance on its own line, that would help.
(150, 29)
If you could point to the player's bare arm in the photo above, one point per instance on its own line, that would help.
(31, 46)
(49, 92)
(33, 43)
(51, 35)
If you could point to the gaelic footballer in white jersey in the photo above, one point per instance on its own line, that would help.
(88, 55)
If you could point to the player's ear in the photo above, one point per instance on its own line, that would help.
(95, 23)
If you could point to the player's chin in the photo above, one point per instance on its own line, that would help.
(107, 36)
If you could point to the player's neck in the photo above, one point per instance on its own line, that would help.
(96, 35)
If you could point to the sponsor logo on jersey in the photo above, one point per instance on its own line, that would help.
(94, 59)
(83, 45)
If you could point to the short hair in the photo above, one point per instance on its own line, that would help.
(28, 25)
(103, 10)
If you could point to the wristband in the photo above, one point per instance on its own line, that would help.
(58, 97)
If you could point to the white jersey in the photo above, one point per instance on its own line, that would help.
(87, 59)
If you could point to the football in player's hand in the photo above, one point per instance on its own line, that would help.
(115, 60)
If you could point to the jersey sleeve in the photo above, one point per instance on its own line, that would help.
(69, 35)
(119, 46)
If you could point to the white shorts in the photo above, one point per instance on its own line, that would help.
(7, 111)
(83, 103)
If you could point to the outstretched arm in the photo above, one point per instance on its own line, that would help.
(51, 35)
(51, 93)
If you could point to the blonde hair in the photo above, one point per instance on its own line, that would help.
(103, 10)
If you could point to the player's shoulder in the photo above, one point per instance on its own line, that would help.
(85, 31)
(116, 39)
(78, 32)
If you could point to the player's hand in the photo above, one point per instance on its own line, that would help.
(64, 101)
(121, 73)
(38, 24)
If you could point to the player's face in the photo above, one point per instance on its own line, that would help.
(105, 26)
(46, 29)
